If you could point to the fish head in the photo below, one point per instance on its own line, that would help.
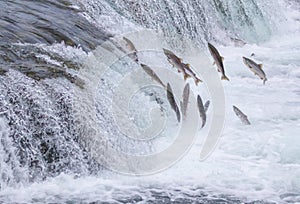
(165, 50)
(168, 53)
(210, 46)
(246, 61)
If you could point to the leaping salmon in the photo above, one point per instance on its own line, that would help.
(152, 74)
(185, 99)
(218, 60)
(175, 62)
(241, 116)
(201, 110)
(172, 101)
(131, 47)
(255, 68)
(206, 105)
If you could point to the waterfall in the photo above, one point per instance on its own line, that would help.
(199, 20)
(39, 137)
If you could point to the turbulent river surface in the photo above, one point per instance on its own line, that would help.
(65, 73)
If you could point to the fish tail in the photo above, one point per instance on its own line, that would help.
(224, 78)
(264, 81)
(197, 81)
(185, 76)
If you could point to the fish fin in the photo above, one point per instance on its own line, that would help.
(197, 81)
(185, 76)
(203, 124)
(188, 65)
(260, 66)
(224, 78)
(214, 63)
(180, 59)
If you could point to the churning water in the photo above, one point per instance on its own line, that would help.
(50, 53)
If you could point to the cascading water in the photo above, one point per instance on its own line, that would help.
(46, 62)
(199, 20)
(37, 91)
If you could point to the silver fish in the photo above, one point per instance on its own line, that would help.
(172, 101)
(185, 99)
(255, 68)
(206, 105)
(181, 108)
(218, 60)
(190, 73)
(152, 74)
(241, 115)
(131, 47)
(201, 110)
(175, 62)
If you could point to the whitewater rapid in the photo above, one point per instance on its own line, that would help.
(256, 162)
(259, 162)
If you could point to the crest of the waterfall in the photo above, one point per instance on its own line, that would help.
(244, 19)
(201, 21)
(127, 122)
